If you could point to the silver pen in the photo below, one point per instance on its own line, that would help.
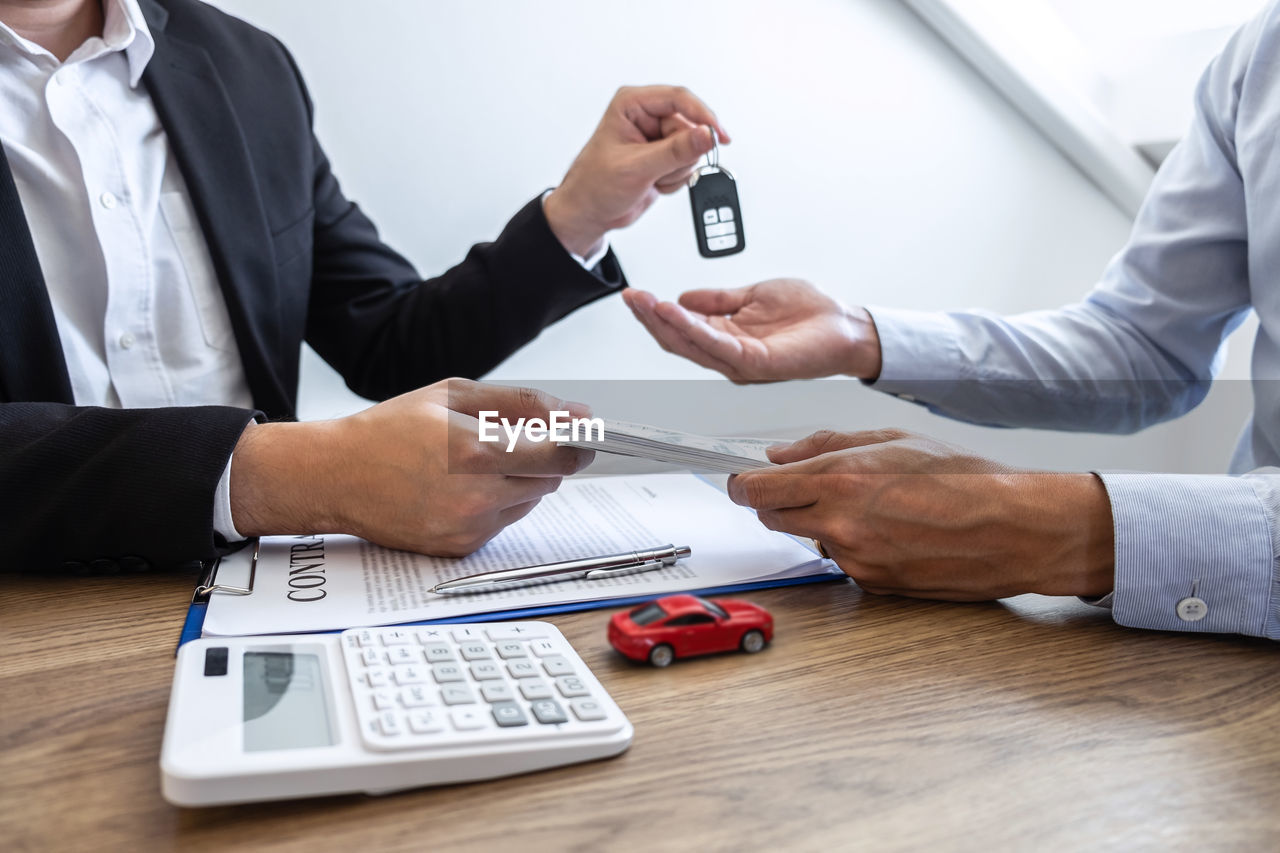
(589, 568)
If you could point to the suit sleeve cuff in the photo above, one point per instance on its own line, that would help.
(528, 250)
(1193, 553)
(590, 262)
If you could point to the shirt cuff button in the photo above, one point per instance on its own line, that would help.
(1192, 609)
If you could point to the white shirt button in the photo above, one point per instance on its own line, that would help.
(127, 340)
(1192, 609)
(108, 200)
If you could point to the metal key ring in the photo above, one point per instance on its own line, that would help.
(713, 159)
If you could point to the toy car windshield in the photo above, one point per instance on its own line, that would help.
(647, 614)
(712, 607)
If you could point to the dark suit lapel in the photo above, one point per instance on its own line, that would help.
(209, 145)
(32, 367)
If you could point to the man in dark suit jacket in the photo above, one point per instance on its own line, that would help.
(106, 488)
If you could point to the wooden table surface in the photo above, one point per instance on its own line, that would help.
(870, 723)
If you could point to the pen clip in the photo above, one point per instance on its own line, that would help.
(599, 574)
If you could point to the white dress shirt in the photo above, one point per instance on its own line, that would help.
(137, 305)
(1193, 553)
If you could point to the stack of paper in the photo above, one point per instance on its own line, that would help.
(329, 582)
(682, 449)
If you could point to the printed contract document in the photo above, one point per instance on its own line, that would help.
(329, 582)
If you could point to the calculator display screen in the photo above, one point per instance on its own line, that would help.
(285, 706)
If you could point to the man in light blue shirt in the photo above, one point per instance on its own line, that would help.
(905, 514)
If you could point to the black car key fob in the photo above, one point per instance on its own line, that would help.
(717, 216)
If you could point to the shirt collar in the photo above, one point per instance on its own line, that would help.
(124, 29)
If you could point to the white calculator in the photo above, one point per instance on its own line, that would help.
(376, 710)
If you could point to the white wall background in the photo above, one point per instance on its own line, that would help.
(870, 160)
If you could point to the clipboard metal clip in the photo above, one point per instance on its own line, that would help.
(208, 586)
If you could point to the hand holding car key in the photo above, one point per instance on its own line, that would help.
(717, 217)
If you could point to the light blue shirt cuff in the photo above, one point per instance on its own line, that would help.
(919, 355)
(1182, 536)
(222, 522)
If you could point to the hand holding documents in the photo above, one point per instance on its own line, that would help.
(695, 452)
(328, 582)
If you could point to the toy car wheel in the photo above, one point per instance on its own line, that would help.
(661, 655)
(752, 642)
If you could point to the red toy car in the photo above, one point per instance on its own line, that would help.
(686, 625)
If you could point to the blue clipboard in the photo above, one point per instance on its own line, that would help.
(193, 625)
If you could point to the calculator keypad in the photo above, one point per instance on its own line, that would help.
(415, 688)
